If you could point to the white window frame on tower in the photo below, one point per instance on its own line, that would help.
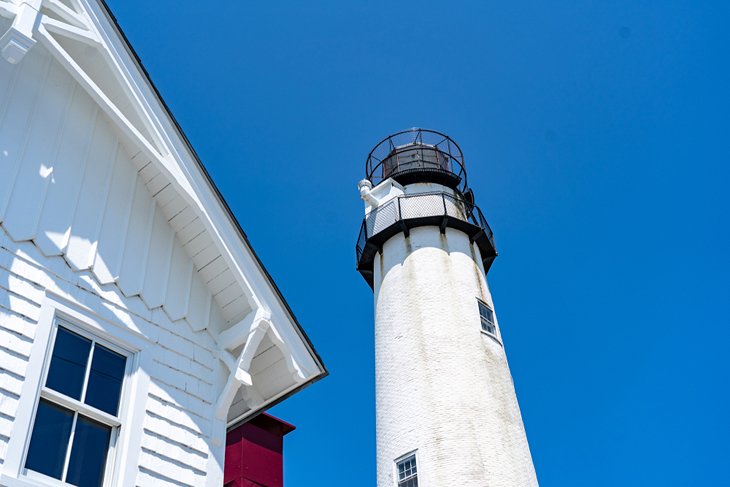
(489, 326)
(124, 444)
(409, 478)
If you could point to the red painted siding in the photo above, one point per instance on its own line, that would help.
(254, 453)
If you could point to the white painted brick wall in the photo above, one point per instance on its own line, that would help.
(443, 387)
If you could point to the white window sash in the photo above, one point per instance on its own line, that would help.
(125, 443)
(401, 459)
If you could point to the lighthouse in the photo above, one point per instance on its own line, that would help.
(446, 410)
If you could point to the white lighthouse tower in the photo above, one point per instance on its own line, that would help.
(446, 411)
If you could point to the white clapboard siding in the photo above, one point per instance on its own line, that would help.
(157, 462)
(150, 478)
(11, 383)
(173, 449)
(161, 426)
(162, 404)
(176, 429)
(17, 324)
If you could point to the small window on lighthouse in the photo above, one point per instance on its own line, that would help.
(407, 473)
(487, 316)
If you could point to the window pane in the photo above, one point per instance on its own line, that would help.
(486, 312)
(488, 327)
(407, 472)
(105, 380)
(68, 363)
(51, 431)
(88, 453)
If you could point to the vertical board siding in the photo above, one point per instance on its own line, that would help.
(95, 187)
(135, 250)
(110, 248)
(60, 203)
(156, 273)
(38, 154)
(79, 194)
(84, 220)
(178, 290)
(200, 304)
(17, 119)
(87, 217)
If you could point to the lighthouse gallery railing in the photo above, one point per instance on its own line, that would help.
(421, 209)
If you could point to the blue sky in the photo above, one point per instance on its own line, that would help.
(596, 141)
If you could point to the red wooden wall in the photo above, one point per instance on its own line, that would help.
(254, 453)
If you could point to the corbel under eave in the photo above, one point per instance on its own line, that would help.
(239, 367)
(18, 40)
(257, 325)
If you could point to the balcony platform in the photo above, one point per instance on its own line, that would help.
(401, 214)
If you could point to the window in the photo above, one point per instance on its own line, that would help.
(486, 314)
(407, 472)
(77, 419)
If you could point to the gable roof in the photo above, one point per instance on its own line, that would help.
(85, 39)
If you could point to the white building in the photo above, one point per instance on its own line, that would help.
(446, 410)
(136, 322)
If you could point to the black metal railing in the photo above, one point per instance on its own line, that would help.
(417, 154)
(408, 211)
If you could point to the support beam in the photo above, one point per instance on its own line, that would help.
(239, 369)
(65, 13)
(70, 31)
(237, 334)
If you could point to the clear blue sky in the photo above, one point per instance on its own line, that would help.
(596, 140)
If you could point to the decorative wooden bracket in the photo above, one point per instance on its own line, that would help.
(258, 325)
(18, 40)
